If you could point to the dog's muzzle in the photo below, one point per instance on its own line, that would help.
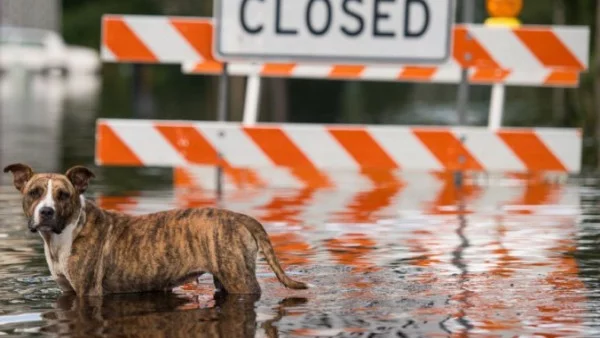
(47, 221)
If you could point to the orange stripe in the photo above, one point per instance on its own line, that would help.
(118, 203)
(288, 207)
(531, 151)
(346, 71)
(536, 193)
(291, 249)
(209, 67)
(353, 249)
(194, 199)
(196, 149)
(363, 148)
(183, 179)
(450, 195)
(189, 143)
(123, 43)
(562, 77)
(278, 69)
(365, 205)
(489, 75)
(464, 44)
(417, 73)
(198, 33)
(243, 177)
(548, 48)
(111, 150)
(283, 152)
(444, 145)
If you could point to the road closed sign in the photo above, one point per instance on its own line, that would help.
(341, 31)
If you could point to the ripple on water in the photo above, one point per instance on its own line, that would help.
(527, 271)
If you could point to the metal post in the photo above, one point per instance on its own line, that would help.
(468, 16)
(223, 105)
(252, 99)
(496, 107)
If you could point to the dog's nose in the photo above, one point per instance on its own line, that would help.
(46, 212)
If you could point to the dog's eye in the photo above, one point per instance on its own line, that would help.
(34, 193)
(63, 195)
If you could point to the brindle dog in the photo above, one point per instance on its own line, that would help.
(91, 251)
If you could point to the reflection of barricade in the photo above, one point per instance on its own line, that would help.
(422, 194)
(527, 56)
(512, 256)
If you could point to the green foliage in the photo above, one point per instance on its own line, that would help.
(81, 19)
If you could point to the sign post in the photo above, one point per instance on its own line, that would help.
(468, 16)
(223, 107)
(503, 13)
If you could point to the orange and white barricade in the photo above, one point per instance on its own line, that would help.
(300, 154)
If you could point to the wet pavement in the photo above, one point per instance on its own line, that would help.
(417, 259)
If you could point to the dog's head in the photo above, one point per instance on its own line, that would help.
(50, 201)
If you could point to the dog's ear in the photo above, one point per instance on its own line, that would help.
(22, 173)
(80, 177)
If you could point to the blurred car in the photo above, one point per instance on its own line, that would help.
(44, 52)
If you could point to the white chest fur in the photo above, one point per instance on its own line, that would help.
(57, 247)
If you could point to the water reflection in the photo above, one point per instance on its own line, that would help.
(160, 315)
(33, 111)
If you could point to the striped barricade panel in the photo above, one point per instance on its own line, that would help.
(308, 151)
(156, 39)
(448, 73)
(529, 55)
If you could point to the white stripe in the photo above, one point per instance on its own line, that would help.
(153, 203)
(106, 54)
(447, 73)
(421, 188)
(528, 77)
(405, 148)
(249, 201)
(146, 143)
(238, 148)
(188, 67)
(565, 145)
(48, 201)
(493, 198)
(244, 68)
(505, 48)
(311, 71)
(489, 150)
(202, 176)
(163, 39)
(320, 147)
(381, 73)
(576, 39)
(350, 180)
(280, 177)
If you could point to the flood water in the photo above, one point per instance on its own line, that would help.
(416, 258)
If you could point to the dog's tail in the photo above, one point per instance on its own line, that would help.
(262, 239)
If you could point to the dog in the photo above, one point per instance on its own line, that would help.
(91, 251)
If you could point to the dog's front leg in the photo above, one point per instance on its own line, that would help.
(64, 284)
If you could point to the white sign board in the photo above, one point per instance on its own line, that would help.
(340, 31)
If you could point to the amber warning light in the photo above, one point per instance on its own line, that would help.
(504, 12)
